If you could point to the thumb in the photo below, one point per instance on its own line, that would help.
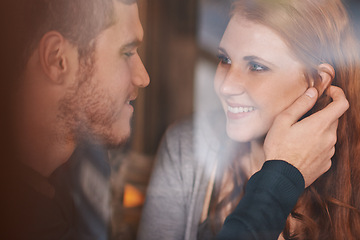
(302, 105)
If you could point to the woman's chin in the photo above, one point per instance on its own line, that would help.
(244, 136)
(239, 137)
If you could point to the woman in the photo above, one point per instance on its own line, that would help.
(271, 52)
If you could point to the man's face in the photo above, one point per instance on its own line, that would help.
(100, 107)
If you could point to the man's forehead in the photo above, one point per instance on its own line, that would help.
(126, 15)
(127, 28)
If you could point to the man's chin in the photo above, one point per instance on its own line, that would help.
(109, 141)
(116, 143)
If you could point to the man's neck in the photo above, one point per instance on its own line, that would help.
(46, 157)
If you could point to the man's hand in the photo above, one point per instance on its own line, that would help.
(309, 144)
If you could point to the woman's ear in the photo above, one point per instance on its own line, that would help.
(326, 75)
(53, 59)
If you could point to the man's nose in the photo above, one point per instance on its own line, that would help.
(140, 76)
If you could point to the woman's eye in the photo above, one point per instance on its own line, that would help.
(255, 67)
(224, 59)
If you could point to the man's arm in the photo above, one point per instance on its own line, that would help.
(307, 147)
(270, 196)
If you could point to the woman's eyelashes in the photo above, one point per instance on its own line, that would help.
(257, 67)
(224, 59)
(253, 66)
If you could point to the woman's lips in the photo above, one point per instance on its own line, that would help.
(239, 111)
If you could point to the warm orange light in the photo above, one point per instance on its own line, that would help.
(132, 196)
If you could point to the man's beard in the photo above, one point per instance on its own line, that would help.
(87, 112)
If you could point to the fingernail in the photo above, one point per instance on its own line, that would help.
(310, 93)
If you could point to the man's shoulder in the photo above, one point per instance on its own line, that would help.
(29, 212)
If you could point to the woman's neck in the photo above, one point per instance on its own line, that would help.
(257, 156)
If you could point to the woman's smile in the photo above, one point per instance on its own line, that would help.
(256, 79)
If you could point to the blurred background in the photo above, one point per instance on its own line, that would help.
(179, 52)
(180, 45)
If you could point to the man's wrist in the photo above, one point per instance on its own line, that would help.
(282, 179)
(286, 169)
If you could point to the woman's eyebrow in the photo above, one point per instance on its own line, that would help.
(255, 58)
(220, 49)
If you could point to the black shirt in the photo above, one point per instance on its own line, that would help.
(34, 207)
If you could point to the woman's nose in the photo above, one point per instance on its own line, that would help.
(233, 82)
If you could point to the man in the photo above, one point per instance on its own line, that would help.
(80, 73)
(75, 71)
(74, 90)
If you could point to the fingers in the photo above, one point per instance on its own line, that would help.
(333, 127)
(337, 107)
(331, 153)
(301, 106)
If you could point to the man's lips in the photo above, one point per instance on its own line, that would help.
(131, 99)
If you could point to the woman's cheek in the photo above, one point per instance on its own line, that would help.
(219, 76)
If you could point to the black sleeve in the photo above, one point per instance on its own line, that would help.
(270, 196)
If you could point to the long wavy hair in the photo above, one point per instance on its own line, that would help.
(316, 31)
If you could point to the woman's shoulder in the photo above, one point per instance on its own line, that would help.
(205, 128)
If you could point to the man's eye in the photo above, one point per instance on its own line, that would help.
(255, 67)
(129, 54)
(224, 59)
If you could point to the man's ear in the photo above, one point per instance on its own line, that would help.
(53, 59)
(326, 75)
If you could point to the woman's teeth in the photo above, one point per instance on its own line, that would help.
(240, 109)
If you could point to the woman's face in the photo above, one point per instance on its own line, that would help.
(256, 79)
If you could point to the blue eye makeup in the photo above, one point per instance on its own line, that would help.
(224, 59)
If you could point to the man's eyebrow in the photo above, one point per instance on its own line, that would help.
(255, 58)
(133, 44)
